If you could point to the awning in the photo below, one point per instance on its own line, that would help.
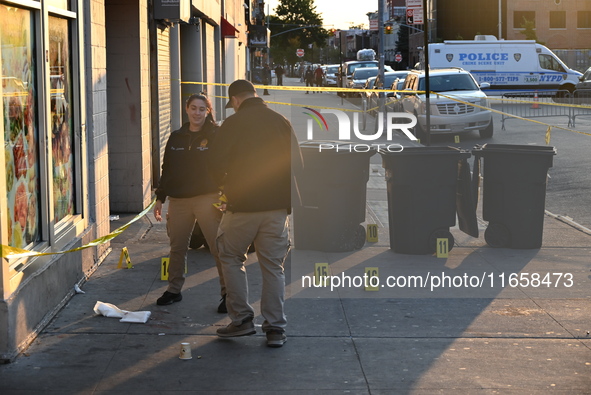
(228, 30)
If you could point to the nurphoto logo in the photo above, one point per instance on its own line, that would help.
(391, 121)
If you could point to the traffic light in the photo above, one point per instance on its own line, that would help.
(388, 28)
(333, 32)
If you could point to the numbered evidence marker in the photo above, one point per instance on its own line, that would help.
(164, 268)
(320, 274)
(124, 254)
(372, 233)
(442, 247)
(372, 279)
(456, 139)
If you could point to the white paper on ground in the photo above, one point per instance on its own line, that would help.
(140, 317)
(110, 310)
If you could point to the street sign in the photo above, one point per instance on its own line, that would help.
(300, 52)
(417, 17)
(414, 12)
(398, 58)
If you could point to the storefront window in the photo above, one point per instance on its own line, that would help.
(61, 118)
(21, 136)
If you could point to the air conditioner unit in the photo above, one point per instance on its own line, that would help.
(172, 10)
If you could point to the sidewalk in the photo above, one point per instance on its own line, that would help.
(452, 340)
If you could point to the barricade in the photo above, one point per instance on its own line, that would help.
(582, 104)
(548, 104)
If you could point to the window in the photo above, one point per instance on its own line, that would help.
(21, 134)
(62, 137)
(64, 4)
(520, 18)
(449, 82)
(557, 19)
(550, 63)
(584, 19)
(41, 151)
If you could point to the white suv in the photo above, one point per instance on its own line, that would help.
(451, 113)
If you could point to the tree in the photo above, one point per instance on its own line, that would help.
(296, 24)
(529, 30)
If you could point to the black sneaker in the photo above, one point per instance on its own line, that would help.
(169, 298)
(244, 329)
(222, 309)
(276, 339)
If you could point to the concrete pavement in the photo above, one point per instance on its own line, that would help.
(468, 337)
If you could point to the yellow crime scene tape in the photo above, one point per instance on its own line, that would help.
(14, 253)
(351, 90)
(9, 252)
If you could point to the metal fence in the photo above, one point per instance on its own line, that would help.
(537, 105)
(577, 59)
(582, 104)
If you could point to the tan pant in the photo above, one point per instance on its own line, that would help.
(269, 231)
(180, 220)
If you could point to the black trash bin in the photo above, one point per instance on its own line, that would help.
(514, 193)
(422, 186)
(333, 192)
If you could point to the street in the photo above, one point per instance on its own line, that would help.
(434, 324)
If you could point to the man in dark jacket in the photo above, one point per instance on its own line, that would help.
(252, 160)
(309, 77)
(279, 73)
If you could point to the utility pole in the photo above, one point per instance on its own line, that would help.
(500, 21)
(381, 59)
(426, 61)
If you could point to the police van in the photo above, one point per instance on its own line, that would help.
(507, 65)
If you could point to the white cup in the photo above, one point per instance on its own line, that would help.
(185, 351)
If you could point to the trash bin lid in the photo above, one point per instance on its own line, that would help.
(515, 149)
(428, 151)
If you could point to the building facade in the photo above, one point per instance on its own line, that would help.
(91, 91)
(564, 26)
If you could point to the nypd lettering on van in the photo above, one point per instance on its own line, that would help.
(507, 65)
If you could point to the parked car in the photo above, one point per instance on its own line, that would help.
(389, 78)
(330, 74)
(394, 101)
(385, 83)
(359, 77)
(583, 88)
(346, 70)
(450, 108)
(366, 95)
